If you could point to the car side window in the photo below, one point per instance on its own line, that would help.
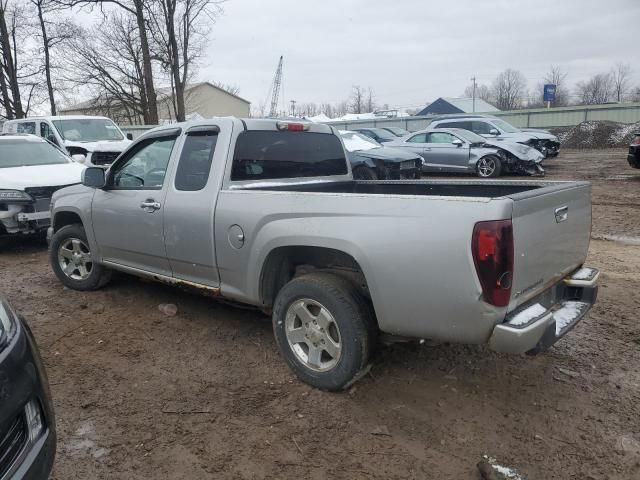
(195, 161)
(480, 128)
(47, 133)
(26, 127)
(145, 167)
(440, 137)
(419, 138)
(368, 133)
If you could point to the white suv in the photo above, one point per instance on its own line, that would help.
(492, 127)
(89, 140)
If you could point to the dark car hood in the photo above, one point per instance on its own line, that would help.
(388, 154)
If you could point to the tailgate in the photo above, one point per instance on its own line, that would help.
(551, 229)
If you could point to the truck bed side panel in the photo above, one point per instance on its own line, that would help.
(414, 251)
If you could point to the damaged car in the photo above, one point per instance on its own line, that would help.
(493, 128)
(455, 150)
(372, 161)
(31, 170)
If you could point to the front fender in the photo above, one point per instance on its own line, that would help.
(75, 200)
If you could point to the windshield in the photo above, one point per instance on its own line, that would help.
(504, 126)
(21, 153)
(469, 136)
(88, 129)
(354, 142)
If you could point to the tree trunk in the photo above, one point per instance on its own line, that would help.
(13, 107)
(151, 115)
(174, 58)
(47, 60)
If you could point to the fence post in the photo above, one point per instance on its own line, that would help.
(528, 119)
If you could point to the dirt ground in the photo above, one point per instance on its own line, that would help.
(204, 394)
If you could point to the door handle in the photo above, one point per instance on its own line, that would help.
(150, 205)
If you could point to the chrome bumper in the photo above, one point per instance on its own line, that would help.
(546, 319)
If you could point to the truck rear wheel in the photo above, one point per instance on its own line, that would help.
(324, 330)
(71, 260)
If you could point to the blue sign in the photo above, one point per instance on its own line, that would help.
(549, 92)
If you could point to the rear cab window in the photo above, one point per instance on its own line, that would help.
(268, 155)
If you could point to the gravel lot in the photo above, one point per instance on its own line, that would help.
(204, 394)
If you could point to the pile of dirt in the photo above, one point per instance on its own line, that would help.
(597, 134)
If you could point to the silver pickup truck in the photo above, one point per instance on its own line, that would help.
(267, 213)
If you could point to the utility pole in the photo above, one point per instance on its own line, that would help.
(293, 108)
(473, 79)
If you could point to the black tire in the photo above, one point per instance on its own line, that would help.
(494, 172)
(97, 275)
(352, 318)
(362, 172)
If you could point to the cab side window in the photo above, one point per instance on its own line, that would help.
(480, 128)
(440, 137)
(419, 138)
(195, 161)
(145, 167)
(47, 133)
(26, 127)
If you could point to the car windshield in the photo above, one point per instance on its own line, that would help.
(504, 126)
(469, 136)
(354, 142)
(25, 153)
(380, 133)
(88, 129)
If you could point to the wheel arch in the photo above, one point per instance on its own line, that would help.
(284, 263)
(64, 218)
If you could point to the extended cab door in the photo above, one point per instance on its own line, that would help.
(127, 215)
(191, 202)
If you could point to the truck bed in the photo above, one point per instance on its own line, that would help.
(446, 188)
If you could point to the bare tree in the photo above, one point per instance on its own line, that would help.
(371, 103)
(358, 94)
(180, 28)
(232, 89)
(598, 89)
(508, 89)
(558, 77)
(108, 61)
(482, 92)
(620, 78)
(137, 8)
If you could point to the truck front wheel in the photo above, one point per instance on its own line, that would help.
(324, 330)
(72, 262)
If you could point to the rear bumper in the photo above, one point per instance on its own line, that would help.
(634, 158)
(542, 322)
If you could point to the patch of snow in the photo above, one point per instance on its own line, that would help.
(619, 135)
(525, 316)
(567, 314)
(582, 274)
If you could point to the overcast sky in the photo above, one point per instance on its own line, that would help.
(413, 51)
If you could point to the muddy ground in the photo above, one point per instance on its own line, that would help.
(204, 394)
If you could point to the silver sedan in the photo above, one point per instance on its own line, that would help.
(456, 150)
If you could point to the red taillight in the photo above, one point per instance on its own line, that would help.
(492, 248)
(293, 127)
(636, 141)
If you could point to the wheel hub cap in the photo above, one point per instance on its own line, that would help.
(74, 258)
(313, 334)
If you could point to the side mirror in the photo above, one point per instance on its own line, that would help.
(457, 142)
(94, 177)
(129, 136)
(494, 131)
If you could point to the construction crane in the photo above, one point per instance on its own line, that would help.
(274, 92)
